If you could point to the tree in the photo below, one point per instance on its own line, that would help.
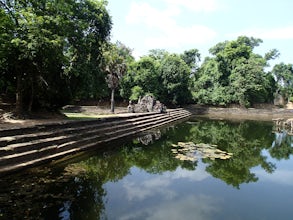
(165, 76)
(234, 74)
(174, 79)
(48, 46)
(284, 78)
(247, 80)
(158, 54)
(6, 35)
(115, 68)
(142, 78)
(191, 58)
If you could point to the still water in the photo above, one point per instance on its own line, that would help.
(143, 179)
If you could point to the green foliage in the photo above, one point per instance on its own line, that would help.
(158, 54)
(284, 78)
(51, 49)
(166, 76)
(114, 65)
(191, 58)
(234, 75)
(272, 54)
(175, 76)
(136, 92)
(235, 138)
(142, 74)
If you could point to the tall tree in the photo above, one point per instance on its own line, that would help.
(191, 58)
(115, 68)
(174, 79)
(235, 74)
(142, 78)
(52, 43)
(166, 76)
(284, 78)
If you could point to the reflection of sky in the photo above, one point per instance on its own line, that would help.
(283, 175)
(184, 194)
(280, 177)
(158, 197)
(150, 186)
(190, 207)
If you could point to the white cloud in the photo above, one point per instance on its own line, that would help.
(199, 175)
(148, 188)
(282, 177)
(143, 13)
(163, 28)
(195, 5)
(281, 33)
(159, 185)
(177, 37)
(191, 207)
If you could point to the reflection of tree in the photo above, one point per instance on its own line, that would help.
(282, 147)
(156, 158)
(150, 137)
(111, 167)
(236, 138)
(50, 195)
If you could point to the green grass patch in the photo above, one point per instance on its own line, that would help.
(80, 116)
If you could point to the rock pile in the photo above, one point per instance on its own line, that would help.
(146, 104)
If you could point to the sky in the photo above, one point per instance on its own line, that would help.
(179, 25)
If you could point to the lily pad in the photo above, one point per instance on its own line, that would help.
(189, 151)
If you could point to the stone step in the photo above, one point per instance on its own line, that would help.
(148, 123)
(59, 129)
(62, 124)
(47, 132)
(63, 145)
(68, 124)
(61, 138)
(67, 147)
(22, 149)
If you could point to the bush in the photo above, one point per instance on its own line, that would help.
(136, 92)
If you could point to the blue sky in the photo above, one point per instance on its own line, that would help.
(178, 25)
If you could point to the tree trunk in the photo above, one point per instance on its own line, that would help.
(19, 102)
(112, 101)
(30, 106)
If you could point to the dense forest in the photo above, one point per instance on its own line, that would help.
(56, 52)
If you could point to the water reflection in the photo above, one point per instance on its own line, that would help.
(150, 137)
(282, 146)
(139, 182)
(48, 195)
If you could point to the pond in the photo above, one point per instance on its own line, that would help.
(231, 170)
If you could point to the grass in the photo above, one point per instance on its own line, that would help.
(80, 116)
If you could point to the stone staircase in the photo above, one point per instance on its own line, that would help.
(30, 146)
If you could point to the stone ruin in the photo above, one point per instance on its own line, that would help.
(146, 104)
(282, 124)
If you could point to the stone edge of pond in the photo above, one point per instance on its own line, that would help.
(260, 114)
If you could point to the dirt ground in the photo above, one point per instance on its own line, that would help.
(7, 120)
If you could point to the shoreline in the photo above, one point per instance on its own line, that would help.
(260, 114)
(232, 113)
